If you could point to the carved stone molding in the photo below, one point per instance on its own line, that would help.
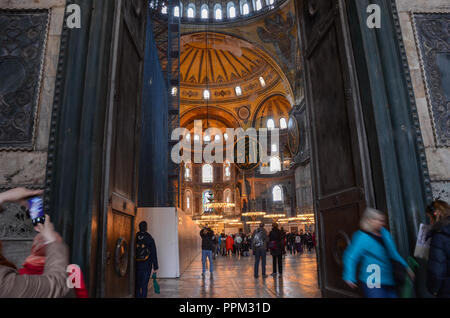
(14, 223)
(432, 33)
(23, 36)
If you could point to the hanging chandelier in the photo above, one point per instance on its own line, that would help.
(274, 216)
(219, 205)
(254, 214)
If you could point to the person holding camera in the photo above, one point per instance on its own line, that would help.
(53, 282)
(207, 236)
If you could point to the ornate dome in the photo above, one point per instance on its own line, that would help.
(230, 69)
(233, 77)
(275, 107)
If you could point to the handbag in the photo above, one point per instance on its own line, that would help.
(155, 284)
(273, 245)
(399, 272)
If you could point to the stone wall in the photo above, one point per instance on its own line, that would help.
(423, 26)
(23, 161)
(303, 188)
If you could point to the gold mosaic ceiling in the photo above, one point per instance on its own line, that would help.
(219, 63)
(218, 59)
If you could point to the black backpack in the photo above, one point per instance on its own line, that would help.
(257, 239)
(142, 250)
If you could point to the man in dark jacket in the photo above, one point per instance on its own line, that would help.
(207, 236)
(275, 245)
(146, 259)
(438, 277)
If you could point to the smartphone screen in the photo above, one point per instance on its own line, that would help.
(36, 210)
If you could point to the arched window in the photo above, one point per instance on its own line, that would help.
(164, 9)
(274, 148)
(176, 11)
(207, 173)
(204, 11)
(262, 81)
(258, 5)
(227, 198)
(206, 94)
(238, 90)
(188, 171)
(226, 171)
(270, 124)
(218, 12)
(189, 201)
(245, 9)
(191, 11)
(208, 197)
(277, 193)
(231, 9)
(270, 2)
(283, 123)
(275, 164)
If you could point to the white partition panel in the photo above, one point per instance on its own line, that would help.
(189, 240)
(176, 236)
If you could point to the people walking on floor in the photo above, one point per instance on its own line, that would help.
(290, 239)
(309, 243)
(298, 243)
(238, 244)
(275, 246)
(259, 246)
(373, 245)
(246, 247)
(146, 259)
(229, 242)
(438, 271)
(207, 236)
(223, 246)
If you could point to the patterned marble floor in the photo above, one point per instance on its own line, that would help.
(233, 278)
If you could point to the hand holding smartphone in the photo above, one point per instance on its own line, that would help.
(36, 210)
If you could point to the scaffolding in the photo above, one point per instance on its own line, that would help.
(166, 30)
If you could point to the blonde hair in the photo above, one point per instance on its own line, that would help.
(369, 214)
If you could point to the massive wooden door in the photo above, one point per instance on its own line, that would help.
(122, 153)
(341, 171)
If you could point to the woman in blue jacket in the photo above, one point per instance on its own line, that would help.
(373, 249)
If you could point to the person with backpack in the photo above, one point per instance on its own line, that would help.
(146, 260)
(373, 248)
(259, 246)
